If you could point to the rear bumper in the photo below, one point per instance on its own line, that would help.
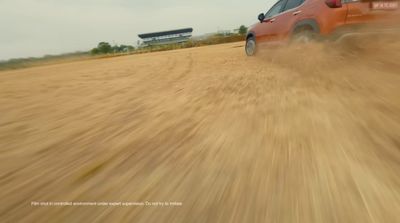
(382, 32)
(362, 30)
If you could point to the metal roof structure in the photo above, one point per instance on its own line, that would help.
(165, 33)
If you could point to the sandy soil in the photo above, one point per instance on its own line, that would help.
(307, 134)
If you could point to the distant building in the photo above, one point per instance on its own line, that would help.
(167, 37)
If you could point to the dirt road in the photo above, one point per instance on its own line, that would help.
(306, 136)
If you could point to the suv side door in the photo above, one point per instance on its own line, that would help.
(266, 29)
(291, 13)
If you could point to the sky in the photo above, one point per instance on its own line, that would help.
(31, 28)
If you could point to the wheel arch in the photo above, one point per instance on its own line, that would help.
(250, 34)
(306, 23)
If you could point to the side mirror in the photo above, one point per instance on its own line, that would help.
(261, 17)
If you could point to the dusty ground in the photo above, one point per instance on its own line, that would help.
(307, 135)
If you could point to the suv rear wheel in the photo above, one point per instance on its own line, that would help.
(251, 46)
(304, 36)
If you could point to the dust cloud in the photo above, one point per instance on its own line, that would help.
(377, 51)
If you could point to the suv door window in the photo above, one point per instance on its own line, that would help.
(275, 10)
(291, 4)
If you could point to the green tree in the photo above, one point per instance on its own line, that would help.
(125, 48)
(94, 51)
(130, 48)
(116, 49)
(104, 48)
(242, 30)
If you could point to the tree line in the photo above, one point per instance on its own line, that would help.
(106, 48)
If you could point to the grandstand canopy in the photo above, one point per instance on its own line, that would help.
(165, 33)
(166, 37)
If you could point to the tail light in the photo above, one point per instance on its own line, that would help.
(334, 3)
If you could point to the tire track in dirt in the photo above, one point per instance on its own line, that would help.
(235, 139)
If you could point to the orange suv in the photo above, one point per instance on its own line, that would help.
(304, 20)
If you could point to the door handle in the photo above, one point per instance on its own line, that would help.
(296, 12)
(272, 20)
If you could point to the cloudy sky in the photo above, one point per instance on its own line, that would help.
(39, 27)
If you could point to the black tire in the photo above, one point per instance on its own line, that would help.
(251, 46)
